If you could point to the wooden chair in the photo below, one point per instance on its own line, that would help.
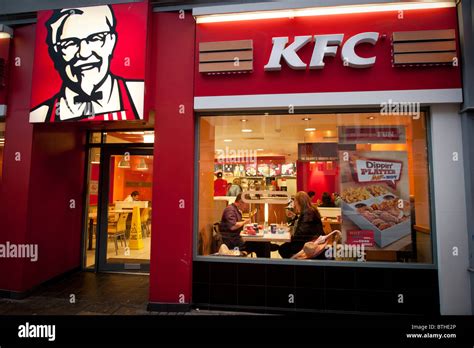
(117, 230)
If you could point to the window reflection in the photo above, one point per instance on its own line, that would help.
(363, 174)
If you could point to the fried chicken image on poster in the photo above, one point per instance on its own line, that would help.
(89, 64)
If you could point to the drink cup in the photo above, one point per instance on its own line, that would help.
(273, 228)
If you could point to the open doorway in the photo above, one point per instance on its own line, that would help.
(119, 201)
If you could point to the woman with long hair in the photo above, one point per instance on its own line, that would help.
(308, 226)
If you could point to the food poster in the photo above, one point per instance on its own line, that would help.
(375, 195)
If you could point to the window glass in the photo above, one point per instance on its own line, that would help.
(130, 137)
(349, 187)
(91, 208)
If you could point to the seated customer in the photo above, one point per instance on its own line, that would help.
(134, 196)
(308, 226)
(327, 201)
(232, 224)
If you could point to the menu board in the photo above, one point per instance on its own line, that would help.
(317, 151)
(371, 134)
(250, 169)
(288, 169)
(375, 194)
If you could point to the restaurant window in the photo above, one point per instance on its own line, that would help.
(2, 146)
(341, 187)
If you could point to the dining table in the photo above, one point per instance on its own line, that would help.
(267, 237)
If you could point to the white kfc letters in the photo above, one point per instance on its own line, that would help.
(325, 45)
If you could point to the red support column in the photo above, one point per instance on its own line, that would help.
(170, 95)
(17, 157)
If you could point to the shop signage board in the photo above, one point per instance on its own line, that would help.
(375, 194)
(343, 53)
(371, 134)
(89, 64)
(317, 152)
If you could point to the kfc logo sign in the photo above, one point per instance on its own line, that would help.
(324, 45)
(86, 60)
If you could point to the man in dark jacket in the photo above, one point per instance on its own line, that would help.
(232, 224)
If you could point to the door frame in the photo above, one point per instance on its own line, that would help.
(102, 208)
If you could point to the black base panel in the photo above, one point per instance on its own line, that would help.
(319, 289)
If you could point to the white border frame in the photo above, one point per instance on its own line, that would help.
(326, 100)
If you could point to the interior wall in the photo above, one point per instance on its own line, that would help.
(207, 216)
(317, 178)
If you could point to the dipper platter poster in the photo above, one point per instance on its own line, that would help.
(375, 194)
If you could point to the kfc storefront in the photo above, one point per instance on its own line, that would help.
(143, 129)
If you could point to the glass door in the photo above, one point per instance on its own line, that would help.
(125, 205)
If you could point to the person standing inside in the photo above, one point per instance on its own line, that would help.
(236, 188)
(220, 185)
(307, 227)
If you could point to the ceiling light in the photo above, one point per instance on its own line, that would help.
(310, 129)
(227, 140)
(124, 164)
(6, 32)
(247, 130)
(149, 138)
(321, 11)
(306, 119)
(243, 120)
(142, 165)
(259, 149)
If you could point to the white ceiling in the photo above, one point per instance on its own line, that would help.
(279, 135)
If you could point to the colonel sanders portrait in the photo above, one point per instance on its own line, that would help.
(81, 43)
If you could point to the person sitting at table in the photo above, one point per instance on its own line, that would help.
(134, 196)
(308, 226)
(327, 201)
(232, 224)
